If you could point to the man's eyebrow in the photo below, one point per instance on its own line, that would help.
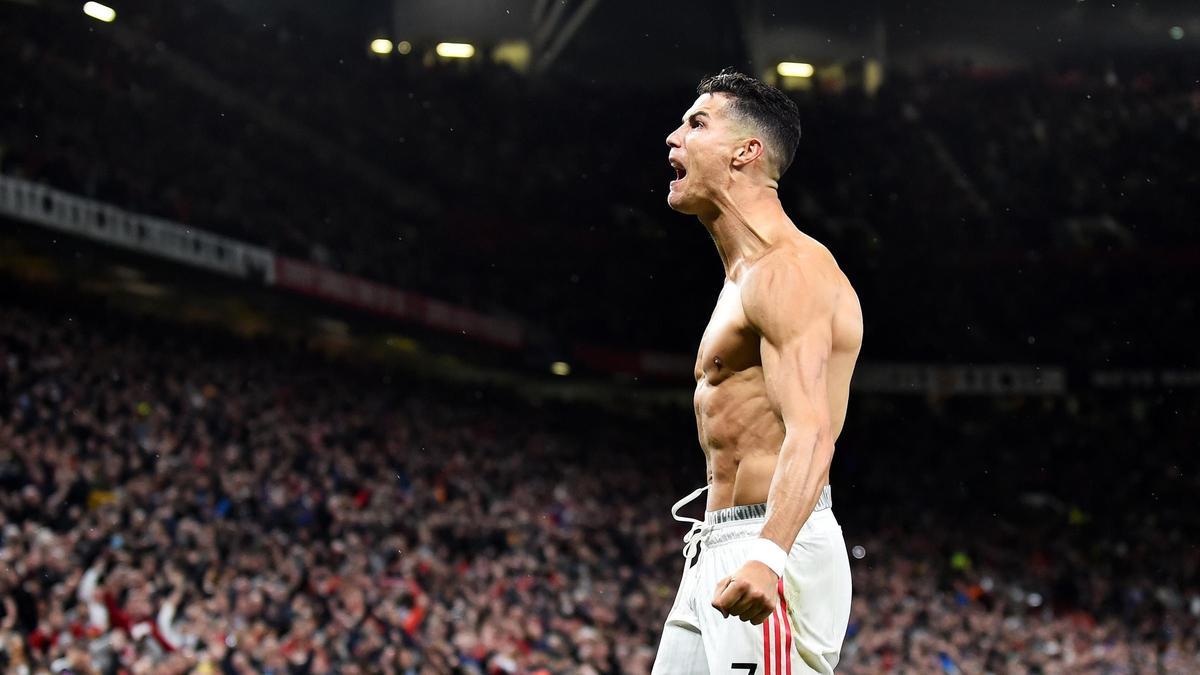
(688, 118)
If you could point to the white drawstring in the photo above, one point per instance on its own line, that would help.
(699, 532)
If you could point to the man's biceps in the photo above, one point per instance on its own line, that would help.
(802, 363)
(808, 339)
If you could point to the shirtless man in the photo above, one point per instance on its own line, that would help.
(766, 582)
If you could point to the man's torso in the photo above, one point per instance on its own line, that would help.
(739, 430)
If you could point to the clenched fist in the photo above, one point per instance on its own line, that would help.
(749, 594)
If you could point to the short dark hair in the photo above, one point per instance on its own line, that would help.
(768, 108)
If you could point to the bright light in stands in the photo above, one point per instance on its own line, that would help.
(381, 46)
(404, 46)
(99, 12)
(455, 50)
(1176, 32)
(793, 69)
(515, 53)
(560, 368)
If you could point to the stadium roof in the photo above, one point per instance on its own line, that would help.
(670, 41)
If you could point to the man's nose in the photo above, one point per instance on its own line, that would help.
(671, 139)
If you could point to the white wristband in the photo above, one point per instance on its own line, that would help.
(768, 553)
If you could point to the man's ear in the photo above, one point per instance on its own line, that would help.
(747, 151)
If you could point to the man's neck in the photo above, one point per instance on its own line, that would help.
(744, 224)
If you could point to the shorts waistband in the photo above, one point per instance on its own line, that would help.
(755, 511)
(732, 524)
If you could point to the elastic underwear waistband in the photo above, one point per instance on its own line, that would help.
(752, 511)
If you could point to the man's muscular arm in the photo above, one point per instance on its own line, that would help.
(793, 312)
(790, 305)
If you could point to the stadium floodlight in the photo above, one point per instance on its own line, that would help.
(381, 46)
(99, 12)
(793, 69)
(455, 50)
(404, 46)
(560, 368)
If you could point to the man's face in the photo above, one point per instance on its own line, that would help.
(701, 148)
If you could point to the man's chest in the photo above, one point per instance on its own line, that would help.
(729, 344)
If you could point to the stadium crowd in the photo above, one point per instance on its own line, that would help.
(180, 501)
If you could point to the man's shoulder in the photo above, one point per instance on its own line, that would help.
(786, 279)
(796, 266)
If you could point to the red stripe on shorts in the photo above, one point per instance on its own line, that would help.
(778, 644)
(787, 627)
(766, 647)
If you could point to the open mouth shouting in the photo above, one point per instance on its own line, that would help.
(680, 172)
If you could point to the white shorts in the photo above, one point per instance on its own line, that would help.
(803, 636)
